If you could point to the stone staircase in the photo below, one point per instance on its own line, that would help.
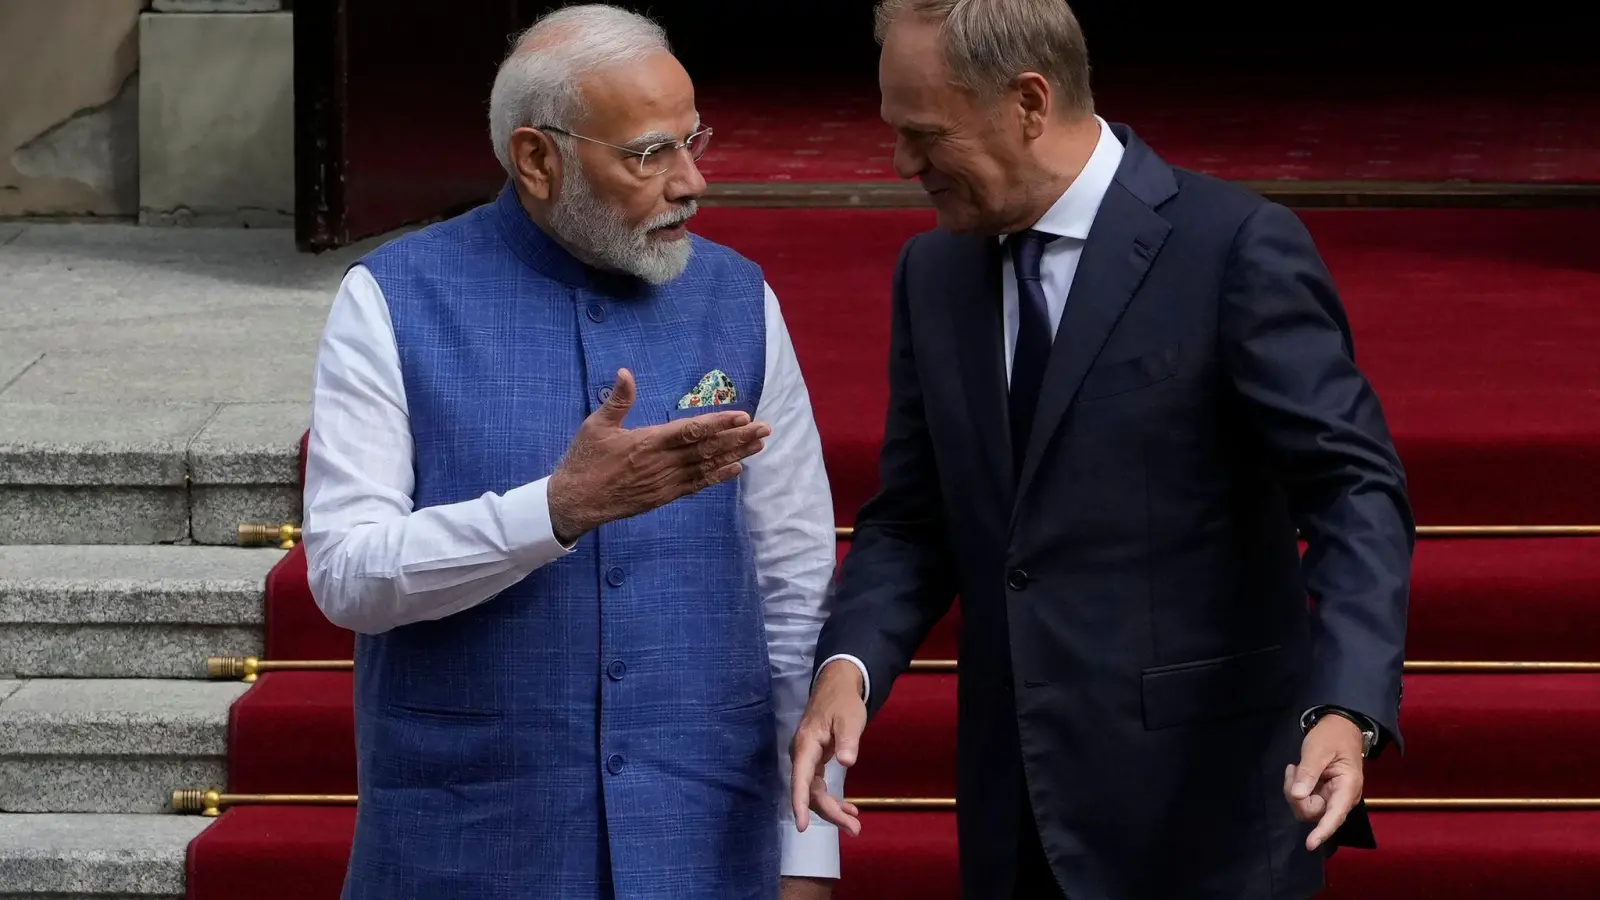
(136, 436)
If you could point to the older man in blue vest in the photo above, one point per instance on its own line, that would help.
(565, 485)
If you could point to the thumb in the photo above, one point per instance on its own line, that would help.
(846, 740)
(1313, 762)
(616, 407)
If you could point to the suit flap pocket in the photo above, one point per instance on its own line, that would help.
(1221, 688)
(1122, 376)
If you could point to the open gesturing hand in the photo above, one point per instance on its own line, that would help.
(611, 472)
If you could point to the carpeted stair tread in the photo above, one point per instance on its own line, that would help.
(294, 732)
(1467, 736)
(1524, 599)
(1534, 599)
(300, 852)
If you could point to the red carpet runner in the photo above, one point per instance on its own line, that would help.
(1477, 327)
(1288, 130)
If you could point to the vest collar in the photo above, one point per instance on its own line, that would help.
(541, 252)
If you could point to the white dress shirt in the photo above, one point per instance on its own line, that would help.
(376, 563)
(1070, 217)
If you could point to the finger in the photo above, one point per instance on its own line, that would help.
(616, 407)
(1309, 809)
(1305, 809)
(831, 810)
(807, 755)
(685, 432)
(732, 440)
(1314, 761)
(699, 478)
(1343, 799)
(847, 728)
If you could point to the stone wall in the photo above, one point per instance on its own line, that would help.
(69, 104)
(174, 111)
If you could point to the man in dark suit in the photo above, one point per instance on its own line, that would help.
(1117, 392)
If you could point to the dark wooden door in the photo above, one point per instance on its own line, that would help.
(391, 112)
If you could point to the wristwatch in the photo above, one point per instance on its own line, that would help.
(1369, 731)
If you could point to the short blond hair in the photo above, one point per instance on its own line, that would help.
(987, 43)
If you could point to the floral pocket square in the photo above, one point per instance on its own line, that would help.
(715, 389)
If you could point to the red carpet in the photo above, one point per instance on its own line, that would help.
(1467, 735)
(1472, 599)
(1424, 856)
(1253, 130)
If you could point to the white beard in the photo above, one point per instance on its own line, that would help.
(584, 221)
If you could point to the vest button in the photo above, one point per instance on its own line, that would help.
(605, 393)
(597, 313)
(614, 576)
(614, 763)
(1017, 580)
(616, 670)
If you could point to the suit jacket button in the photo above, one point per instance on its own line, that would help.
(614, 764)
(1017, 580)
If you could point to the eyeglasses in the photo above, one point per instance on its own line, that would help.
(655, 159)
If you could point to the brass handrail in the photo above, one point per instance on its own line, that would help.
(289, 534)
(249, 668)
(846, 532)
(211, 802)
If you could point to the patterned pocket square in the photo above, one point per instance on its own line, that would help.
(715, 389)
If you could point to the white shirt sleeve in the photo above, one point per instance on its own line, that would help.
(789, 509)
(374, 562)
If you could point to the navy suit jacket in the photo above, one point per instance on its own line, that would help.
(1140, 633)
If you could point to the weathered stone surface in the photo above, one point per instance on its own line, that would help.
(216, 119)
(106, 857)
(128, 612)
(90, 745)
(69, 137)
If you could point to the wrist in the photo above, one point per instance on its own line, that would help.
(842, 674)
(561, 497)
(1364, 731)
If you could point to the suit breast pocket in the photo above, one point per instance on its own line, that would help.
(1122, 376)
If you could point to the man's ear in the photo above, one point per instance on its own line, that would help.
(536, 163)
(1035, 102)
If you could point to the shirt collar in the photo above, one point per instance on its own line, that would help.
(1073, 212)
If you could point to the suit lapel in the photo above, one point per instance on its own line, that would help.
(978, 336)
(1126, 236)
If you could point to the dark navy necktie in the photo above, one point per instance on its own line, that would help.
(1032, 351)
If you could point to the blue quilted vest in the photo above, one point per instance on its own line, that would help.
(605, 727)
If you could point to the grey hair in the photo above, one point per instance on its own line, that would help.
(988, 43)
(538, 81)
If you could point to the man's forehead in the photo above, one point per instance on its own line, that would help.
(649, 101)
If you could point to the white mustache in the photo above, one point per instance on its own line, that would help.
(676, 217)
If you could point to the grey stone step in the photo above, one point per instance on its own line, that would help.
(146, 473)
(110, 746)
(103, 857)
(106, 611)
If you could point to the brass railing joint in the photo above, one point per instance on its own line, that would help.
(257, 535)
